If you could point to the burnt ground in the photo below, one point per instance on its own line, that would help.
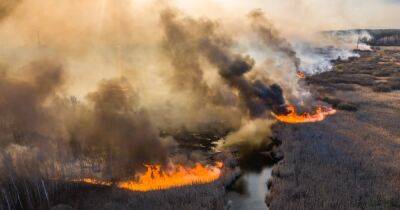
(352, 159)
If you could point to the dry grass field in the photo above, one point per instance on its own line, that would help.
(352, 159)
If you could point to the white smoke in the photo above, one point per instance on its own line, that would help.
(319, 59)
(350, 39)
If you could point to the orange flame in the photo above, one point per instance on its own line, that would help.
(156, 179)
(292, 117)
(300, 74)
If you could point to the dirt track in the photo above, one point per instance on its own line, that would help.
(352, 159)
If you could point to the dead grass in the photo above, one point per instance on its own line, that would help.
(41, 193)
(350, 160)
(377, 70)
(340, 104)
(34, 189)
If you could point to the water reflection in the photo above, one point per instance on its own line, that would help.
(249, 191)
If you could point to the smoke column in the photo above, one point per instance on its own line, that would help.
(100, 80)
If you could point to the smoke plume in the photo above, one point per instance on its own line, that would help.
(271, 37)
(252, 134)
(98, 81)
(116, 128)
(6, 7)
(212, 44)
(23, 101)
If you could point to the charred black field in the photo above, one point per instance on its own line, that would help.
(349, 161)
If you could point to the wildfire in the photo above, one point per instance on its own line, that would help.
(156, 179)
(178, 175)
(300, 74)
(292, 117)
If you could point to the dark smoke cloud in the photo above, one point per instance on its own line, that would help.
(40, 126)
(23, 101)
(7, 6)
(179, 45)
(29, 134)
(271, 37)
(209, 42)
(112, 125)
(117, 131)
(256, 95)
(209, 106)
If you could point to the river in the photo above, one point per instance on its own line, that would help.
(249, 191)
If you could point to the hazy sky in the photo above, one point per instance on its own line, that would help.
(310, 14)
